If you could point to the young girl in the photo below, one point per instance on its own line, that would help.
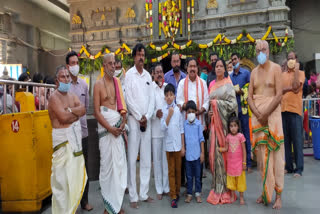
(236, 158)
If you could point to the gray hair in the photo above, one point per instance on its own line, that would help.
(60, 68)
(107, 56)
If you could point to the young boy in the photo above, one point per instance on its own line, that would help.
(172, 125)
(194, 147)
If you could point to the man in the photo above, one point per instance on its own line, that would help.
(120, 72)
(291, 108)
(175, 74)
(265, 92)
(212, 75)
(193, 88)
(240, 78)
(69, 175)
(213, 58)
(79, 87)
(110, 111)
(140, 101)
(160, 163)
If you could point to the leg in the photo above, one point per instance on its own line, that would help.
(133, 149)
(241, 198)
(157, 164)
(246, 132)
(183, 171)
(297, 143)
(165, 179)
(178, 172)
(278, 157)
(84, 201)
(172, 178)
(287, 141)
(189, 175)
(145, 164)
(198, 177)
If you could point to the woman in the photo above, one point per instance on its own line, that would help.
(223, 104)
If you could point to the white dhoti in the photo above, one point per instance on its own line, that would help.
(113, 163)
(160, 165)
(69, 177)
(139, 142)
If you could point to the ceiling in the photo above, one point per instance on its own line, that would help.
(59, 8)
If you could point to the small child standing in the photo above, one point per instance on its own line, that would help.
(172, 125)
(194, 151)
(236, 158)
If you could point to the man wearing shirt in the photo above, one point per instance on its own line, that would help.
(175, 74)
(80, 88)
(240, 77)
(140, 103)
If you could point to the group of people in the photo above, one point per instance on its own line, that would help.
(178, 122)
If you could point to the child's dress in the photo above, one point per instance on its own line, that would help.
(236, 177)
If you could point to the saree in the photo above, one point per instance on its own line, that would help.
(222, 103)
(268, 142)
(69, 177)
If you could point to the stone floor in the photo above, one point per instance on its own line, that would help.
(301, 195)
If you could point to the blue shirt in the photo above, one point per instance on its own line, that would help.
(169, 78)
(193, 135)
(172, 131)
(242, 78)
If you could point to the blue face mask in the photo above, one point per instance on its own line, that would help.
(262, 58)
(236, 66)
(64, 87)
(204, 76)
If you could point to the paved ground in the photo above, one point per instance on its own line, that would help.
(301, 195)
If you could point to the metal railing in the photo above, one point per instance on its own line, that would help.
(6, 83)
(312, 105)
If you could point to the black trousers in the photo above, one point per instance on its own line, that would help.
(84, 200)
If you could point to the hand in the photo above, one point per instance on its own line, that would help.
(200, 111)
(179, 106)
(143, 121)
(183, 152)
(244, 166)
(201, 157)
(122, 126)
(115, 131)
(170, 112)
(263, 119)
(210, 113)
(184, 106)
(159, 114)
(239, 92)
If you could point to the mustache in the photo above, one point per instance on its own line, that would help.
(141, 60)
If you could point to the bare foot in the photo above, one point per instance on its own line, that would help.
(121, 211)
(296, 175)
(277, 204)
(149, 200)
(127, 191)
(134, 205)
(159, 196)
(188, 199)
(198, 199)
(250, 170)
(259, 200)
(88, 207)
(242, 201)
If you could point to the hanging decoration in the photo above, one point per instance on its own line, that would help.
(149, 19)
(188, 19)
(171, 17)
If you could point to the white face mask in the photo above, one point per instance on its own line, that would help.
(191, 117)
(117, 72)
(74, 70)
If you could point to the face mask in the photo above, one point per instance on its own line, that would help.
(64, 87)
(262, 58)
(230, 72)
(191, 117)
(117, 73)
(74, 70)
(204, 76)
(236, 66)
(291, 63)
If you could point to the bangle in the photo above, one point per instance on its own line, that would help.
(244, 163)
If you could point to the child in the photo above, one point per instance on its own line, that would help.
(236, 158)
(194, 147)
(172, 125)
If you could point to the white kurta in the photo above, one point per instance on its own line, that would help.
(192, 95)
(69, 177)
(113, 163)
(160, 163)
(140, 101)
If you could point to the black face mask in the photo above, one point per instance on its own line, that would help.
(176, 69)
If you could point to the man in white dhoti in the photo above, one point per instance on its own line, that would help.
(69, 177)
(140, 101)
(110, 111)
(159, 155)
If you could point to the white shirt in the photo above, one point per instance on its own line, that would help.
(139, 93)
(174, 130)
(160, 103)
(192, 95)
